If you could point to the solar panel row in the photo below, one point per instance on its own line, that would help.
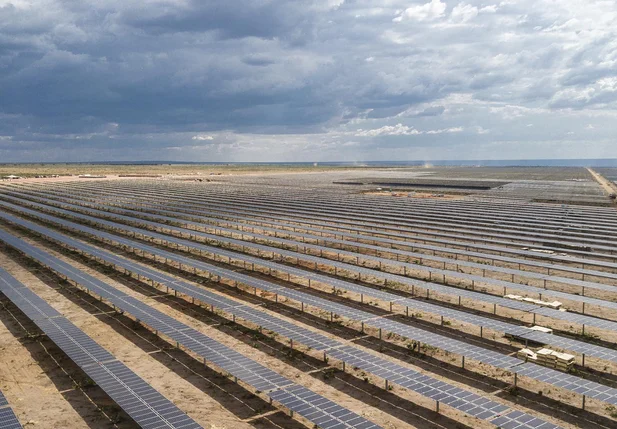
(8, 419)
(301, 274)
(459, 247)
(454, 346)
(470, 279)
(462, 400)
(145, 405)
(335, 210)
(250, 372)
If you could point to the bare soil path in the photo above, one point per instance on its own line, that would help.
(606, 184)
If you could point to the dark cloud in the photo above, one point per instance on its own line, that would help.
(88, 77)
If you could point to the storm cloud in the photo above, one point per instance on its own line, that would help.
(273, 80)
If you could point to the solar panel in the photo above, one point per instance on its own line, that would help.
(454, 346)
(462, 400)
(569, 382)
(250, 372)
(30, 305)
(343, 310)
(324, 413)
(569, 344)
(8, 419)
(144, 404)
(211, 206)
(137, 398)
(577, 318)
(519, 420)
(77, 345)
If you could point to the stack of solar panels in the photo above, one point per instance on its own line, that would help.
(143, 403)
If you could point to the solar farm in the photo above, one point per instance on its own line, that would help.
(347, 298)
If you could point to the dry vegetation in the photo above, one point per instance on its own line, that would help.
(31, 170)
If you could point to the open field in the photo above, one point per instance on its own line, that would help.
(31, 170)
(290, 298)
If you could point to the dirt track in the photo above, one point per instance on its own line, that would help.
(607, 185)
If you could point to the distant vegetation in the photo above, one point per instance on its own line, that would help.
(32, 170)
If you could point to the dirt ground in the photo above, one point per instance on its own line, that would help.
(608, 186)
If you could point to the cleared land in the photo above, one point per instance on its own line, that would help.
(305, 297)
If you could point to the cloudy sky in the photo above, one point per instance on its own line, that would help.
(311, 80)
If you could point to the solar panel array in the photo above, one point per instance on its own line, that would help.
(172, 212)
(579, 218)
(307, 208)
(460, 399)
(138, 399)
(433, 271)
(585, 285)
(493, 253)
(259, 377)
(296, 209)
(341, 284)
(291, 270)
(347, 239)
(470, 351)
